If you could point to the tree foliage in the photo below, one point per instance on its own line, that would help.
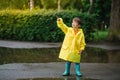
(99, 7)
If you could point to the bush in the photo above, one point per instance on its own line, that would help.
(41, 25)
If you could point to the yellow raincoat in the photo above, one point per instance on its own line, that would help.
(72, 43)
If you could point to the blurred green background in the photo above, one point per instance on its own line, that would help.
(35, 20)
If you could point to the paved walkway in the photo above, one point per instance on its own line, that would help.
(18, 44)
(21, 44)
(101, 71)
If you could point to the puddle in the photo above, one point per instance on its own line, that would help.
(90, 55)
(77, 78)
(96, 55)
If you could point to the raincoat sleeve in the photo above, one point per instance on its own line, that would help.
(82, 42)
(62, 26)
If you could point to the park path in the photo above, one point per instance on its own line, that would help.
(19, 44)
(14, 71)
(100, 71)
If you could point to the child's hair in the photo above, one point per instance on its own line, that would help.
(78, 20)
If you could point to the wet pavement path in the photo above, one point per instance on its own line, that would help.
(101, 71)
(19, 44)
(13, 71)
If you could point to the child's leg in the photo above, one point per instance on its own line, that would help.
(67, 69)
(77, 68)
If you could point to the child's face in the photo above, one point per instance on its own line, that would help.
(75, 24)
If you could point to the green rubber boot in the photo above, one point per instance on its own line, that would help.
(67, 69)
(77, 68)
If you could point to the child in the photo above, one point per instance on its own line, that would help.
(73, 45)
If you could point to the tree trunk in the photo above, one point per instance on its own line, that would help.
(114, 29)
(59, 6)
(91, 6)
(31, 5)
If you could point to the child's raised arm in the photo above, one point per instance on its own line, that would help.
(61, 25)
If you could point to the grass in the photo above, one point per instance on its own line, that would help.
(100, 35)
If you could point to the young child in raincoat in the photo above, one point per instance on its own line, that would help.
(73, 45)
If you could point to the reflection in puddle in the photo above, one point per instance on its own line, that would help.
(96, 55)
(65, 78)
(90, 55)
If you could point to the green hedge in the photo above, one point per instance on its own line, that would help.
(41, 25)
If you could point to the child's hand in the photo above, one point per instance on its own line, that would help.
(58, 19)
(80, 51)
